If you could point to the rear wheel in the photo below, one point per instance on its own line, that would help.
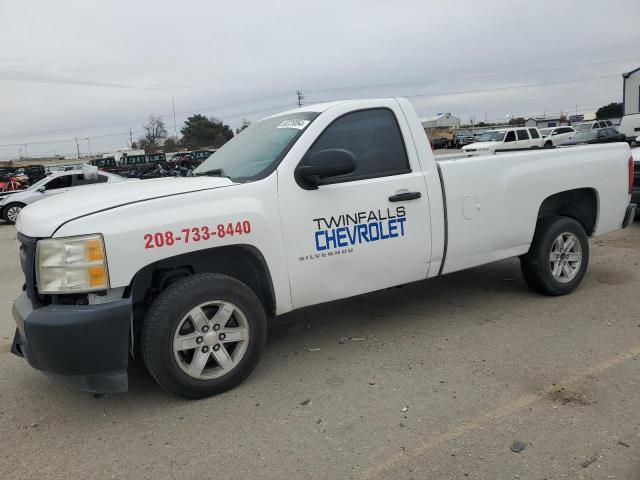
(558, 257)
(203, 335)
(11, 211)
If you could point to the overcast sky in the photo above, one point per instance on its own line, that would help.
(96, 69)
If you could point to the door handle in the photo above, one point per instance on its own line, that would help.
(403, 197)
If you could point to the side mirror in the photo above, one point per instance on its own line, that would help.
(554, 133)
(327, 163)
(41, 189)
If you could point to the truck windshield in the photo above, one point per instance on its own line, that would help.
(492, 136)
(582, 127)
(256, 151)
(546, 132)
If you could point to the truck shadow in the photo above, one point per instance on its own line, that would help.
(365, 316)
(365, 319)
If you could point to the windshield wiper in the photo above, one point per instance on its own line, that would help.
(216, 172)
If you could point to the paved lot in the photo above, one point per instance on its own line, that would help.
(478, 360)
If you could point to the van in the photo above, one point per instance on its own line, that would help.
(630, 127)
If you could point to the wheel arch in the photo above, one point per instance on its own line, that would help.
(5, 208)
(581, 204)
(242, 262)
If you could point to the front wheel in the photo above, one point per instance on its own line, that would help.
(11, 211)
(557, 260)
(203, 335)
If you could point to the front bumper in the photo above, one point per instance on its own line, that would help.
(86, 346)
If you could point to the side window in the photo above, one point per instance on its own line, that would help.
(511, 136)
(63, 181)
(80, 180)
(374, 139)
(523, 135)
(534, 133)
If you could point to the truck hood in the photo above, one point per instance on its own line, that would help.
(479, 145)
(44, 217)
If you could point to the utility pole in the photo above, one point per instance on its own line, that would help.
(89, 144)
(20, 151)
(300, 98)
(175, 125)
(130, 138)
(26, 155)
(78, 148)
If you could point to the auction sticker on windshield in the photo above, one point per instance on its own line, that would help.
(294, 123)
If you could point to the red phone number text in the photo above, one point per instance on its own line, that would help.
(196, 234)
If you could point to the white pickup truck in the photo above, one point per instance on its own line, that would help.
(308, 206)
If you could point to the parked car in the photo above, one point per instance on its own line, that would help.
(635, 197)
(460, 140)
(440, 143)
(54, 184)
(505, 139)
(312, 205)
(555, 136)
(630, 127)
(132, 159)
(104, 163)
(593, 125)
(601, 135)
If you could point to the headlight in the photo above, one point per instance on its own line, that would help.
(71, 265)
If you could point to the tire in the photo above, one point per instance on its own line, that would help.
(167, 352)
(548, 145)
(11, 211)
(547, 276)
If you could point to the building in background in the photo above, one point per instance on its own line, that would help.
(441, 120)
(631, 92)
(547, 122)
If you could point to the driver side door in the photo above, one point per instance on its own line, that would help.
(362, 231)
(55, 186)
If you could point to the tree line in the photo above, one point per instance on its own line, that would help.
(198, 131)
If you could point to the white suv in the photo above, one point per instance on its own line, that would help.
(581, 127)
(504, 139)
(54, 184)
(552, 137)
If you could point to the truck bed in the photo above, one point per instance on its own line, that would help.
(503, 193)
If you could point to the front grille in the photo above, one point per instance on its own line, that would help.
(28, 264)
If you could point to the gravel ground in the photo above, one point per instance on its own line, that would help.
(434, 380)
